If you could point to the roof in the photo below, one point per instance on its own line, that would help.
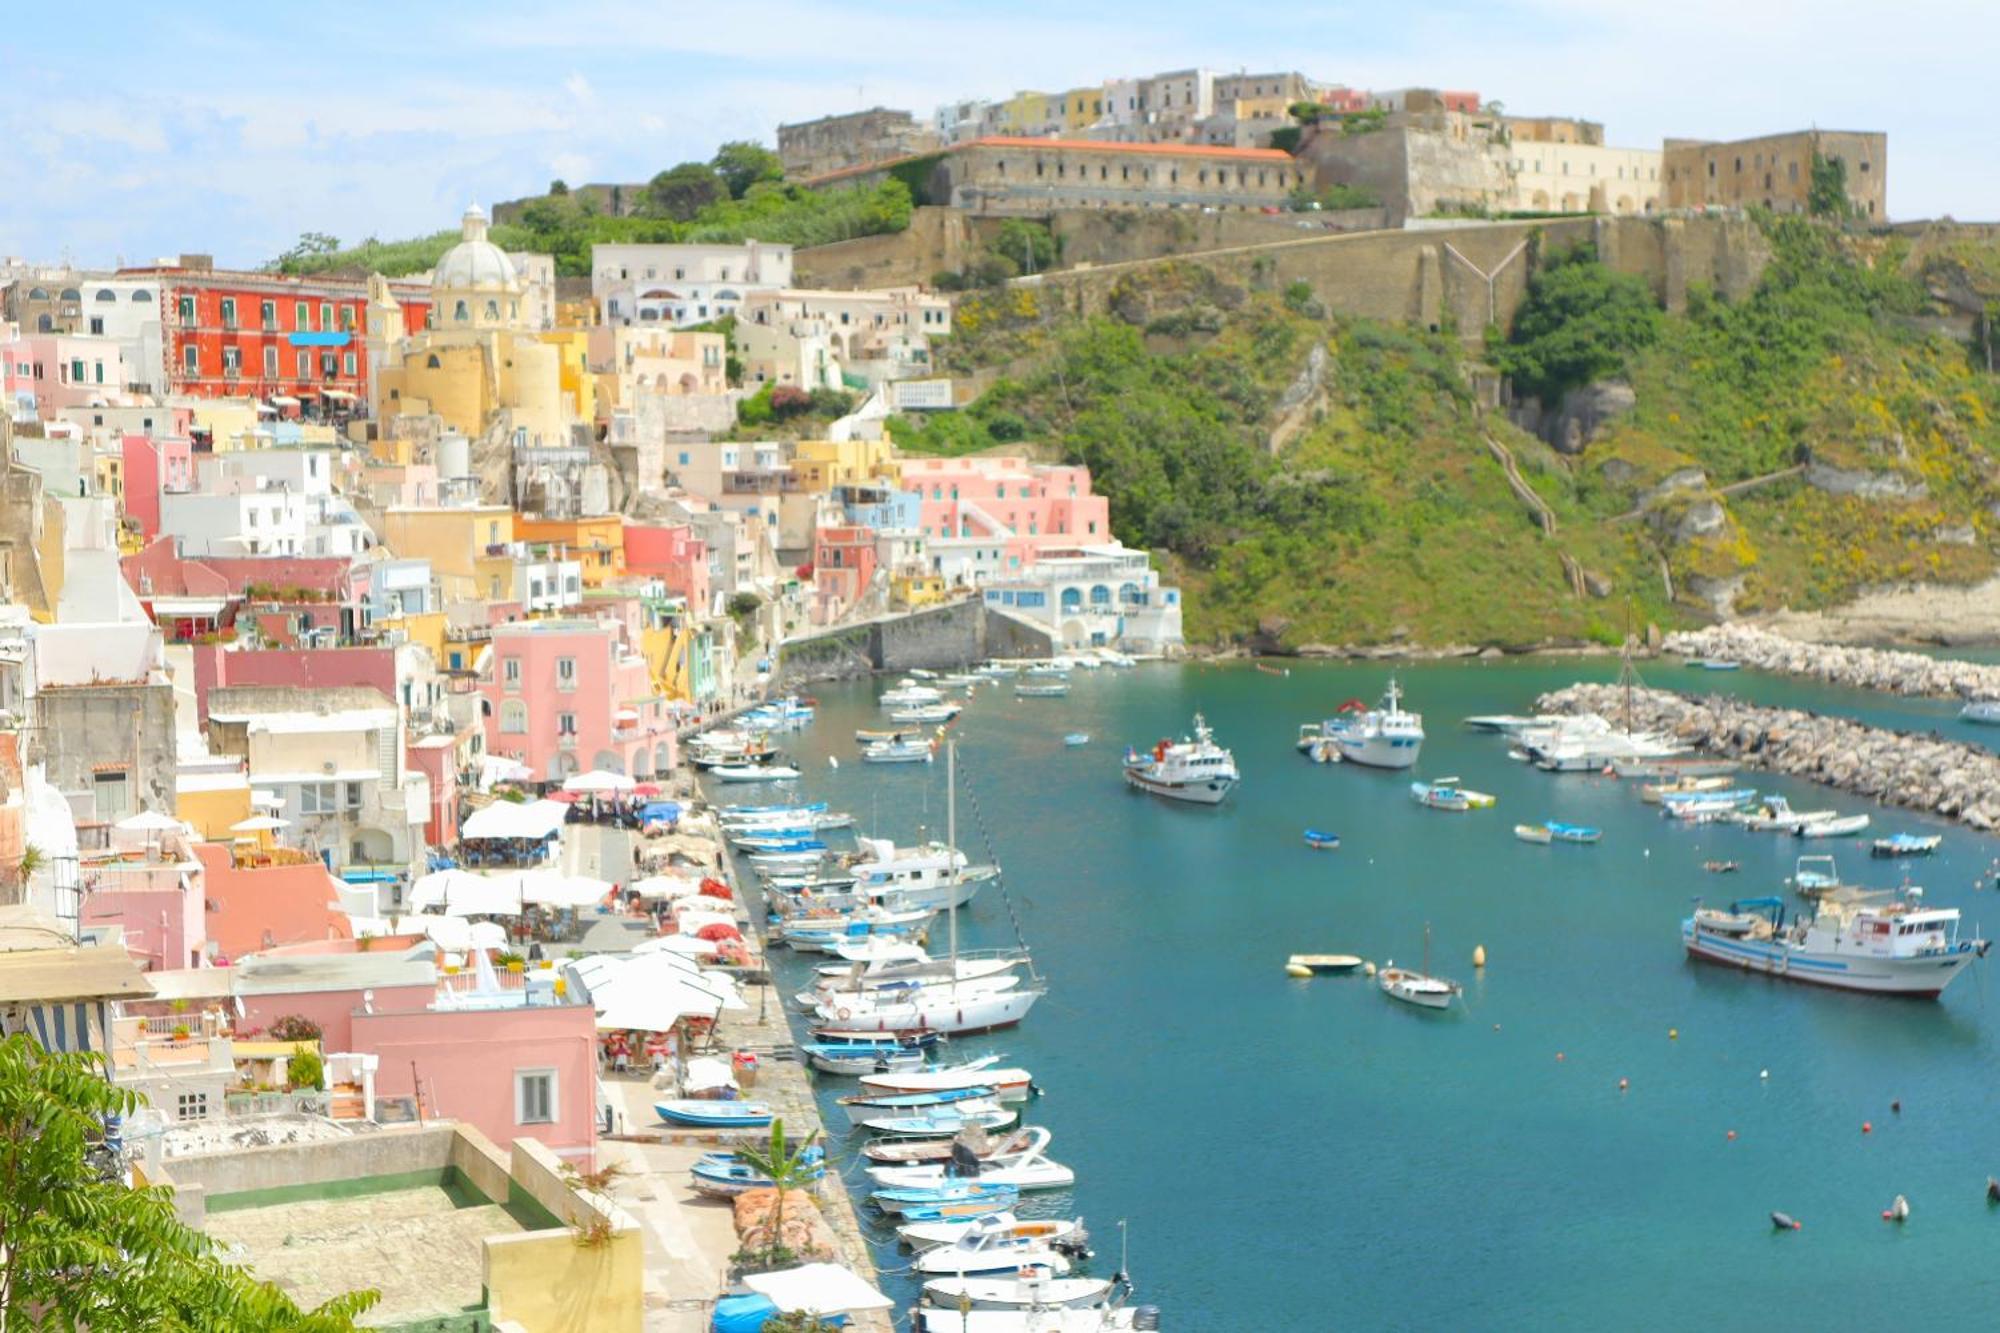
(287, 974)
(191, 983)
(40, 960)
(300, 723)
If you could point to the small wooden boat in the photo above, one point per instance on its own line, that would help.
(1325, 962)
(1441, 795)
(713, 1114)
(1029, 1296)
(1320, 841)
(1905, 844)
(945, 1121)
(1537, 833)
(1653, 793)
(899, 1198)
(724, 1175)
(1721, 867)
(1044, 690)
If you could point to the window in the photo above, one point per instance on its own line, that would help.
(267, 314)
(325, 317)
(513, 716)
(97, 324)
(305, 365)
(76, 370)
(191, 359)
(351, 796)
(301, 315)
(566, 673)
(232, 361)
(460, 313)
(347, 364)
(228, 312)
(510, 672)
(565, 724)
(534, 1096)
(113, 794)
(271, 363)
(191, 1106)
(319, 798)
(186, 304)
(329, 364)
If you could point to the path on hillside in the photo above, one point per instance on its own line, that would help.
(1544, 516)
(1733, 488)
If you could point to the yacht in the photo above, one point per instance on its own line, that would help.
(930, 874)
(1197, 770)
(909, 694)
(1887, 942)
(1586, 743)
(1384, 737)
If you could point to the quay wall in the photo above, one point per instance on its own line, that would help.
(940, 638)
(1941, 777)
(1861, 668)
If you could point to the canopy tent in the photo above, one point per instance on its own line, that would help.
(531, 821)
(495, 769)
(148, 821)
(818, 1288)
(597, 782)
(652, 991)
(655, 1010)
(549, 888)
(259, 824)
(705, 1073)
(680, 946)
(453, 933)
(655, 887)
(462, 893)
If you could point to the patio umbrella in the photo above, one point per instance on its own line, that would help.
(148, 821)
(597, 782)
(566, 797)
(550, 889)
(259, 824)
(434, 889)
(267, 800)
(647, 789)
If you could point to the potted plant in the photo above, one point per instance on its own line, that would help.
(180, 1032)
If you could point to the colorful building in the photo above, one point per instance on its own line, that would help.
(565, 696)
(675, 556)
(843, 569)
(596, 542)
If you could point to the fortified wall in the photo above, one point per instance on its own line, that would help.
(943, 638)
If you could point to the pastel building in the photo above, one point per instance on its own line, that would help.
(154, 466)
(844, 564)
(564, 696)
(682, 284)
(991, 517)
(1101, 595)
(674, 555)
(47, 373)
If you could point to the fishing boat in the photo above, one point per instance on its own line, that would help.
(1195, 770)
(1076, 738)
(909, 694)
(1582, 833)
(928, 874)
(1984, 711)
(1844, 826)
(1384, 737)
(1776, 815)
(1418, 988)
(901, 1198)
(1321, 841)
(1887, 943)
(1047, 689)
(947, 1122)
(1061, 1233)
(753, 772)
(1035, 1291)
(928, 713)
(706, 1114)
(1444, 794)
(1905, 844)
(1814, 875)
(1537, 833)
(898, 752)
(1656, 793)
(1324, 962)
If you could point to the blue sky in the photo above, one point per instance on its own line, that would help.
(244, 128)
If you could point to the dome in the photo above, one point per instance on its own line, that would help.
(475, 263)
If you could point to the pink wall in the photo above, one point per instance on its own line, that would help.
(57, 355)
(843, 564)
(143, 480)
(1040, 506)
(675, 556)
(467, 1061)
(262, 909)
(301, 668)
(440, 762)
(163, 927)
(333, 1010)
(603, 685)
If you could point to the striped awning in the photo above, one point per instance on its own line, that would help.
(74, 1025)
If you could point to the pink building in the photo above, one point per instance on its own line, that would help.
(962, 497)
(436, 757)
(564, 696)
(307, 669)
(673, 555)
(152, 887)
(52, 371)
(266, 899)
(843, 566)
(153, 465)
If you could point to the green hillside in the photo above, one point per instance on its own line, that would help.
(1365, 503)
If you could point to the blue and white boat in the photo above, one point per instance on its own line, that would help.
(1076, 738)
(705, 1114)
(1885, 943)
(1321, 841)
(895, 1199)
(1573, 832)
(724, 1175)
(945, 1121)
(1906, 844)
(1384, 737)
(1195, 770)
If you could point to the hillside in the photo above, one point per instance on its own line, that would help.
(1316, 479)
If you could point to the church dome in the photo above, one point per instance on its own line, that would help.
(475, 263)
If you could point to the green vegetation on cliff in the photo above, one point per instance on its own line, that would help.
(1319, 480)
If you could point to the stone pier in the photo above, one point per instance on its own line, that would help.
(1859, 668)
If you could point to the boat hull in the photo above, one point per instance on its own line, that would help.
(1205, 791)
(1918, 978)
(1379, 751)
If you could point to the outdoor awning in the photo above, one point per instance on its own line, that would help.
(189, 606)
(284, 400)
(341, 394)
(462, 893)
(818, 1288)
(505, 819)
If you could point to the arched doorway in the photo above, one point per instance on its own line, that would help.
(608, 761)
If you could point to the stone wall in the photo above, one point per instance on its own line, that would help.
(939, 638)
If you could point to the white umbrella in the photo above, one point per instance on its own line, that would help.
(148, 821)
(679, 946)
(479, 895)
(551, 889)
(434, 889)
(599, 782)
(267, 800)
(259, 824)
(665, 886)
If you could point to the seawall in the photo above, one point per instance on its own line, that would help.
(1920, 772)
(940, 638)
(1860, 668)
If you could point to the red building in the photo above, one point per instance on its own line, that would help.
(267, 336)
(843, 567)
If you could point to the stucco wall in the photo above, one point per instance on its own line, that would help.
(575, 1280)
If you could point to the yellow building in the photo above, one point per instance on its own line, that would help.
(598, 543)
(915, 590)
(574, 379)
(820, 465)
(469, 547)
(1024, 113)
(1082, 107)
(212, 802)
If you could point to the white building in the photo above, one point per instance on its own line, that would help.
(682, 284)
(891, 325)
(1093, 596)
(264, 502)
(253, 522)
(548, 583)
(127, 311)
(801, 352)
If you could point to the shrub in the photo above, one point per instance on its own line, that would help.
(1580, 323)
(294, 1027)
(789, 400)
(306, 1071)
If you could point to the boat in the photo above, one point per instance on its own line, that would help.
(1885, 943)
(1115, 1319)
(946, 1122)
(707, 1114)
(1321, 841)
(1906, 844)
(851, 1060)
(1673, 766)
(1574, 832)
(1814, 875)
(984, 1071)
(869, 736)
(898, 1198)
(1324, 962)
(1418, 988)
(1060, 1233)
(1656, 793)
(1195, 770)
(1984, 711)
(1076, 738)
(1443, 794)
(1056, 669)
(898, 752)
(909, 694)
(1714, 664)
(906, 1152)
(1027, 1169)
(1382, 737)
(862, 1105)
(1035, 1292)
(1777, 816)
(1507, 724)
(721, 1175)
(929, 874)
(1715, 804)
(753, 772)
(1845, 826)
(1722, 867)
(1539, 833)
(1041, 690)
(927, 713)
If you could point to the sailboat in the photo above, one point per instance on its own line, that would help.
(1419, 988)
(955, 1006)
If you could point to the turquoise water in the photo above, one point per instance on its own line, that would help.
(1306, 1154)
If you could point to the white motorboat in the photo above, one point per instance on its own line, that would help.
(1041, 689)
(1384, 737)
(984, 1072)
(1418, 988)
(1027, 1169)
(1777, 816)
(928, 874)
(842, 995)
(1508, 724)
(1115, 1319)
(943, 1121)
(1887, 942)
(1986, 711)
(930, 1235)
(1832, 826)
(1194, 770)
(898, 752)
(953, 1008)
(753, 772)
(1035, 1292)
(927, 713)
(909, 694)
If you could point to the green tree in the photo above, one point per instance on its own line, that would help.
(742, 164)
(683, 191)
(1826, 194)
(306, 1071)
(788, 1169)
(311, 246)
(1029, 246)
(558, 186)
(80, 1249)
(1580, 323)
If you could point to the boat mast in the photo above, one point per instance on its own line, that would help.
(951, 848)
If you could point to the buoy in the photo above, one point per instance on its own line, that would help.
(1479, 955)
(1785, 1222)
(1673, 1034)
(1867, 1127)
(1496, 1027)
(1297, 970)
(1624, 1083)
(1368, 969)
(1899, 1211)
(1992, 1190)
(833, 761)
(1559, 1057)
(1732, 1136)
(1763, 1073)
(1896, 1106)
(1649, 851)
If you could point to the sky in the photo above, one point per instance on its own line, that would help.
(230, 129)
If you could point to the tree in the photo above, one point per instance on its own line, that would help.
(306, 1071)
(1579, 323)
(1826, 194)
(787, 1169)
(311, 246)
(789, 400)
(79, 1248)
(558, 186)
(742, 164)
(683, 191)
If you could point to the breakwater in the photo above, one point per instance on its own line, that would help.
(1920, 772)
(1860, 668)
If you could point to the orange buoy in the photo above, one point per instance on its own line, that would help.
(1732, 1136)
(1867, 1127)
(1559, 1056)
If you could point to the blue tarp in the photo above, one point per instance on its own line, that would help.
(743, 1314)
(667, 810)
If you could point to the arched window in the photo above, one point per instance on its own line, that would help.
(493, 310)
(141, 295)
(43, 324)
(106, 294)
(1100, 596)
(1072, 600)
(513, 716)
(1128, 592)
(38, 293)
(71, 294)
(460, 312)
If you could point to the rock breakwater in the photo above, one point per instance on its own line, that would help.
(1860, 668)
(1908, 769)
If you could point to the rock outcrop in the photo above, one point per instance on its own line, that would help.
(1867, 485)
(1856, 668)
(1585, 412)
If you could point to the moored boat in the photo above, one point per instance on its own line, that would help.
(1844, 826)
(898, 752)
(713, 1114)
(1445, 794)
(1194, 770)
(1042, 689)
(753, 772)
(1077, 738)
(1428, 992)
(1887, 943)
(1538, 833)
(1656, 793)
(1574, 832)
(1387, 736)
(1985, 711)
(1321, 841)
(1038, 1291)
(1905, 844)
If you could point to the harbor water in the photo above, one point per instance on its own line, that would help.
(1302, 1154)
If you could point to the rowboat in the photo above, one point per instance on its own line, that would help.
(1321, 842)
(1057, 1232)
(1777, 816)
(1029, 1168)
(972, 1073)
(944, 712)
(1906, 844)
(713, 1114)
(1052, 689)
(898, 752)
(1653, 793)
(1324, 962)
(1076, 738)
(1574, 832)
(723, 1175)
(868, 736)
(954, 1119)
(1537, 833)
(912, 1152)
(896, 1198)
(1844, 827)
